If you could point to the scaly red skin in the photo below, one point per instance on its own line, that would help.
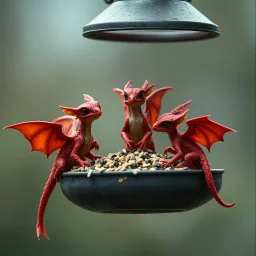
(136, 132)
(185, 148)
(68, 156)
(71, 153)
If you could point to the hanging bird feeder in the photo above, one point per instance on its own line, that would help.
(150, 21)
(137, 179)
(158, 191)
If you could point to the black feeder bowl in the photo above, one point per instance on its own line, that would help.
(146, 192)
(150, 21)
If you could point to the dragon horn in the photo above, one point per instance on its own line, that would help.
(147, 88)
(180, 109)
(88, 97)
(128, 85)
(145, 85)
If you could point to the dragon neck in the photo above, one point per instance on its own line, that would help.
(173, 134)
(85, 127)
(135, 110)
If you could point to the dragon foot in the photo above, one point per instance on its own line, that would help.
(165, 163)
(95, 145)
(129, 145)
(85, 164)
(142, 145)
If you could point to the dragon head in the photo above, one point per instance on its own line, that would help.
(171, 120)
(135, 96)
(88, 111)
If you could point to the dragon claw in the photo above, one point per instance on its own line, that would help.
(128, 144)
(142, 145)
(85, 163)
(95, 145)
(165, 163)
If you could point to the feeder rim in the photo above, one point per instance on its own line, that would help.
(66, 174)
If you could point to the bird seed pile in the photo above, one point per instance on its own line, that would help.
(130, 160)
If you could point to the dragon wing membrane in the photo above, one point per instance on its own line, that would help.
(45, 137)
(125, 107)
(205, 131)
(153, 104)
(69, 124)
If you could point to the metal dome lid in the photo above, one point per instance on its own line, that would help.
(150, 21)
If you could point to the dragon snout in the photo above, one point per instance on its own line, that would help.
(132, 98)
(154, 126)
(97, 110)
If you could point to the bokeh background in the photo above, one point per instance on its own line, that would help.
(45, 62)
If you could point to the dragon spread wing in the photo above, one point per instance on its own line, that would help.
(205, 131)
(153, 104)
(69, 124)
(45, 137)
(125, 107)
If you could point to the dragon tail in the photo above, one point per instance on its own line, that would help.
(49, 186)
(210, 182)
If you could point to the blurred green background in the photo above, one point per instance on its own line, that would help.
(45, 62)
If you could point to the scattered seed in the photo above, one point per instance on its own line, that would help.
(89, 173)
(113, 156)
(118, 168)
(136, 165)
(127, 158)
(140, 160)
(111, 165)
(157, 165)
(133, 160)
(122, 179)
(120, 158)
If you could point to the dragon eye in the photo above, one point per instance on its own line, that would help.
(84, 111)
(125, 96)
(165, 124)
(141, 95)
